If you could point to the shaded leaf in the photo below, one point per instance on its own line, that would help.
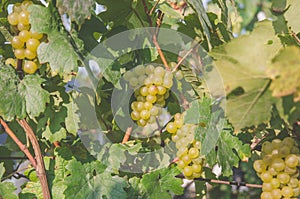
(285, 73)
(72, 120)
(242, 64)
(292, 15)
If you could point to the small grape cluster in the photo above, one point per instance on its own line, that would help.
(151, 86)
(189, 156)
(278, 169)
(25, 43)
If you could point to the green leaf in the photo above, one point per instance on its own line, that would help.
(6, 188)
(284, 71)
(72, 120)
(77, 10)
(225, 156)
(198, 112)
(20, 97)
(159, 183)
(35, 96)
(81, 184)
(292, 15)
(2, 170)
(32, 190)
(242, 64)
(58, 51)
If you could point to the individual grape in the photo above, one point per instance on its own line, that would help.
(193, 152)
(149, 69)
(278, 164)
(142, 122)
(267, 187)
(181, 164)
(145, 114)
(266, 176)
(148, 106)
(133, 82)
(288, 141)
(186, 159)
(36, 35)
(275, 183)
(24, 35)
(32, 44)
(13, 19)
(197, 168)
(16, 42)
(179, 75)
(276, 143)
(139, 70)
(267, 147)
(152, 90)
(30, 67)
(17, 8)
(291, 161)
(151, 98)
(188, 171)
(135, 115)
(29, 54)
(283, 178)
(154, 111)
(19, 53)
(276, 193)
(22, 26)
(171, 127)
(23, 17)
(168, 83)
(287, 191)
(144, 91)
(259, 166)
(266, 195)
(294, 182)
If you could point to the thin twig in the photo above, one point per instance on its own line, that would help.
(296, 37)
(127, 135)
(185, 56)
(154, 37)
(19, 143)
(40, 168)
(153, 8)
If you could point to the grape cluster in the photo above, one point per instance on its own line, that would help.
(25, 43)
(189, 156)
(151, 86)
(278, 169)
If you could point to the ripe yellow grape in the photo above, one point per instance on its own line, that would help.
(36, 35)
(32, 44)
(29, 54)
(30, 67)
(19, 53)
(16, 42)
(171, 127)
(22, 26)
(24, 35)
(13, 19)
(23, 17)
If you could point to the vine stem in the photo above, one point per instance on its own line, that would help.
(127, 134)
(40, 167)
(22, 146)
(154, 37)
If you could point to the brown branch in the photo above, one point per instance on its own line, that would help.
(19, 143)
(154, 37)
(40, 168)
(185, 56)
(296, 37)
(127, 135)
(153, 8)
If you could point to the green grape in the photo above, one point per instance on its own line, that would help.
(148, 105)
(13, 19)
(158, 80)
(151, 98)
(32, 44)
(19, 53)
(278, 164)
(160, 71)
(291, 161)
(295, 150)
(266, 176)
(144, 91)
(267, 186)
(266, 195)
(288, 141)
(287, 191)
(181, 164)
(135, 115)
(197, 168)
(193, 153)
(128, 75)
(167, 83)
(283, 178)
(16, 42)
(290, 170)
(149, 69)
(284, 151)
(154, 111)
(267, 159)
(139, 106)
(272, 171)
(133, 82)
(171, 127)
(24, 35)
(196, 175)
(187, 171)
(29, 54)
(259, 166)
(179, 75)
(145, 114)
(276, 143)
(142, 122)
(24, 17)
(275, 183)
(152, 90)
(17, 8)
(186, 159)
(276, 193)
(294, 183)
(296, 192)
(139, 70)
(175, 138)
(267, 147)
(30, 67)
(161, 90)
(22, 26)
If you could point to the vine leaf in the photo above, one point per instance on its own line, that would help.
(224, 154)
(21, 97)
(157, 184)
(285, 73)
(83, 184)
(77, 10)
(292, 15)
(58, 51)
(6, 188)
(35, 96)
(242, 67)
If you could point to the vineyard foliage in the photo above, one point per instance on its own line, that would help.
(235, 80)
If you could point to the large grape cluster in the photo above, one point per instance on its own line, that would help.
(278, 168)
(25, 42)
(189, 156)
(151, 86)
